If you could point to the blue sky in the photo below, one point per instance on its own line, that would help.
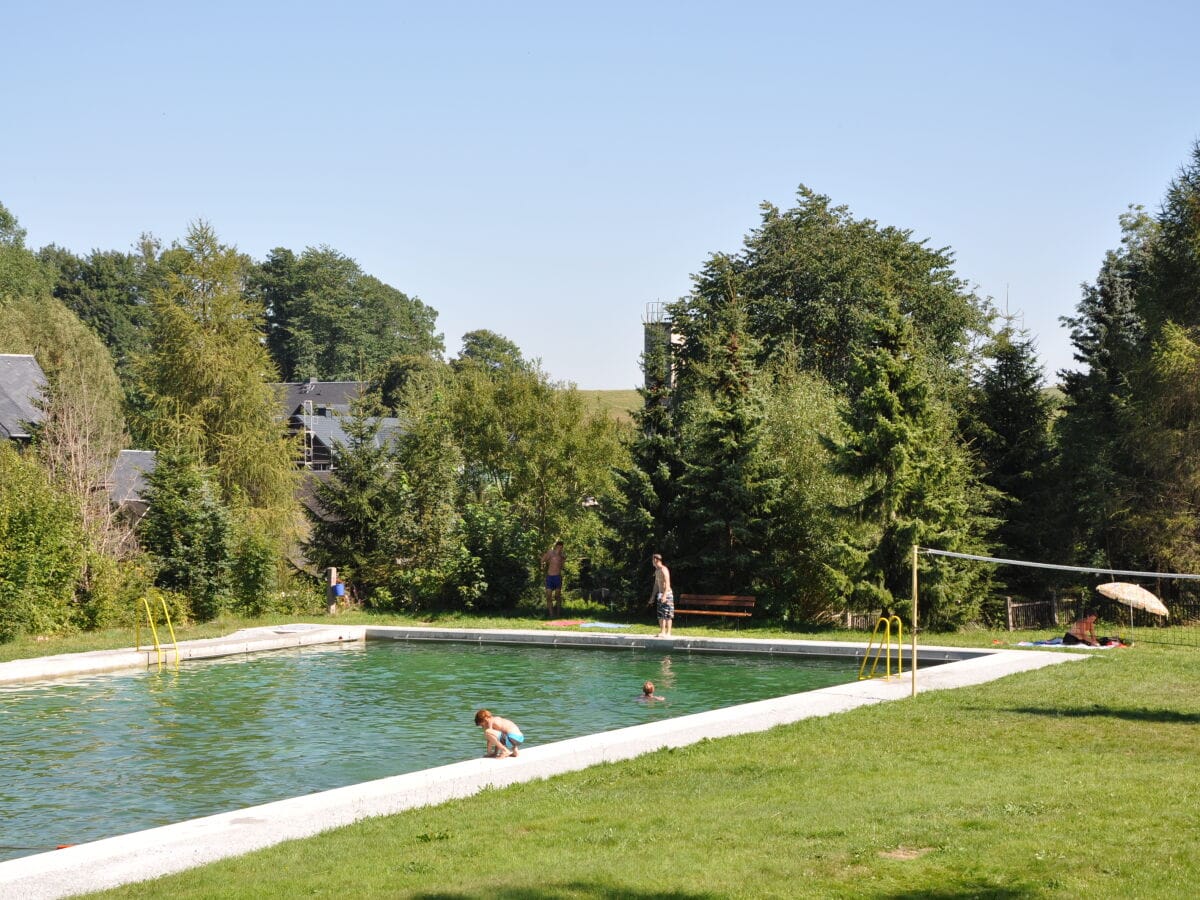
(545, 170)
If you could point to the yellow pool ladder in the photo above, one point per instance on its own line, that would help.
(885, 648)
(154, 631)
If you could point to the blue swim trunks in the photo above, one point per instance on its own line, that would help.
(510, 738)
(553, 582)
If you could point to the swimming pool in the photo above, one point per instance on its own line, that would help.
(102, 755)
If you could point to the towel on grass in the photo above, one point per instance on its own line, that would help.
(603, 625)
(566, 622)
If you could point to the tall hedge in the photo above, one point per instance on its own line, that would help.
(42, 549)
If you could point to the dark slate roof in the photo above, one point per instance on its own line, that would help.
(333, 394)
(328, 430)
(127, 480)
(21, 383)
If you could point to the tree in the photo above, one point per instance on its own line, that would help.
(1109, 334)
(915, 483)
(363, 523)
(491, 352)
(1164, 415)
(404, 374)
(430, 570)
(83, 427)
(21, 274)
(1010, 428)
(42, 549)
(729, 489)
(109, 292)
(641, 517)
(327, 319)
(797, 578)
(533, 444)
(810, 277)
(207, 381)
(499, 547)
(189, 533)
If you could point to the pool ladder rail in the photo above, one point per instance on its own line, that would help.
(884, 649)
(154, 631)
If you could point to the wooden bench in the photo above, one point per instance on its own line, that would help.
(731, 605)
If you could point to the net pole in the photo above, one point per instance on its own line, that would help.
(914, 621)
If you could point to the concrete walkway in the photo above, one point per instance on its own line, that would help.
(158, 851)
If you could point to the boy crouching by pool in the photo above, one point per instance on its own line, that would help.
(503, 735)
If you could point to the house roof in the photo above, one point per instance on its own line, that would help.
(329, 431)
(334, 394)
(21, 384)
(127, 478)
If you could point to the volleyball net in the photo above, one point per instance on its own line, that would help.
(1179, 592)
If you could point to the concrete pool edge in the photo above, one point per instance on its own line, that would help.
(148, 854)
(248, 640)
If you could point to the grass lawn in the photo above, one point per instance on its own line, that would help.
(1070, 781)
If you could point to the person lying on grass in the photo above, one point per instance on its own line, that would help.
(1082, 631)
(503, 735)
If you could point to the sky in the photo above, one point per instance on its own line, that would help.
(546, 170)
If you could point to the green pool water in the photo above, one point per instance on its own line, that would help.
(94, 757)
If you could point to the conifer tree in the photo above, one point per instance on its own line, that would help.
(189, 532)
(364, 523)
(1108, 331)
(1010, 428)
(1165, 414)
(729, 488)
(641, 517)
(915, 484)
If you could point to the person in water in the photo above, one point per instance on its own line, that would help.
(648, 695)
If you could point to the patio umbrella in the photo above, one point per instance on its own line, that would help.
(1133, 596)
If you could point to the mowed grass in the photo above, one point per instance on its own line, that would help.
(1073, 781)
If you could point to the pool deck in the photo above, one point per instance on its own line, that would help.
(143, 855)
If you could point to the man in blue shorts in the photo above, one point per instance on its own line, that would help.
(552, 562)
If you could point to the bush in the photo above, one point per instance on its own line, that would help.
(41, 549)
(188, 532)
(505, 550)
(255, 574)
(110, 591)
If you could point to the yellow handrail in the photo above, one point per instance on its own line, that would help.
(170, 627)
(886, 622)
(153, 631)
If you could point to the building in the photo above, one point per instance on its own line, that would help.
(315, 411)
(127, 482)
(658, 345)
(21, 384)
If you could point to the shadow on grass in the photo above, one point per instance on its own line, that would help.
(567, 889)
(961, 892)
(1112, 712)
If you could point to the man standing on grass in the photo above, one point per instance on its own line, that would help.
(552, 561)
(662, 597)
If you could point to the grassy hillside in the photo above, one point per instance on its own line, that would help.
(618, 404)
